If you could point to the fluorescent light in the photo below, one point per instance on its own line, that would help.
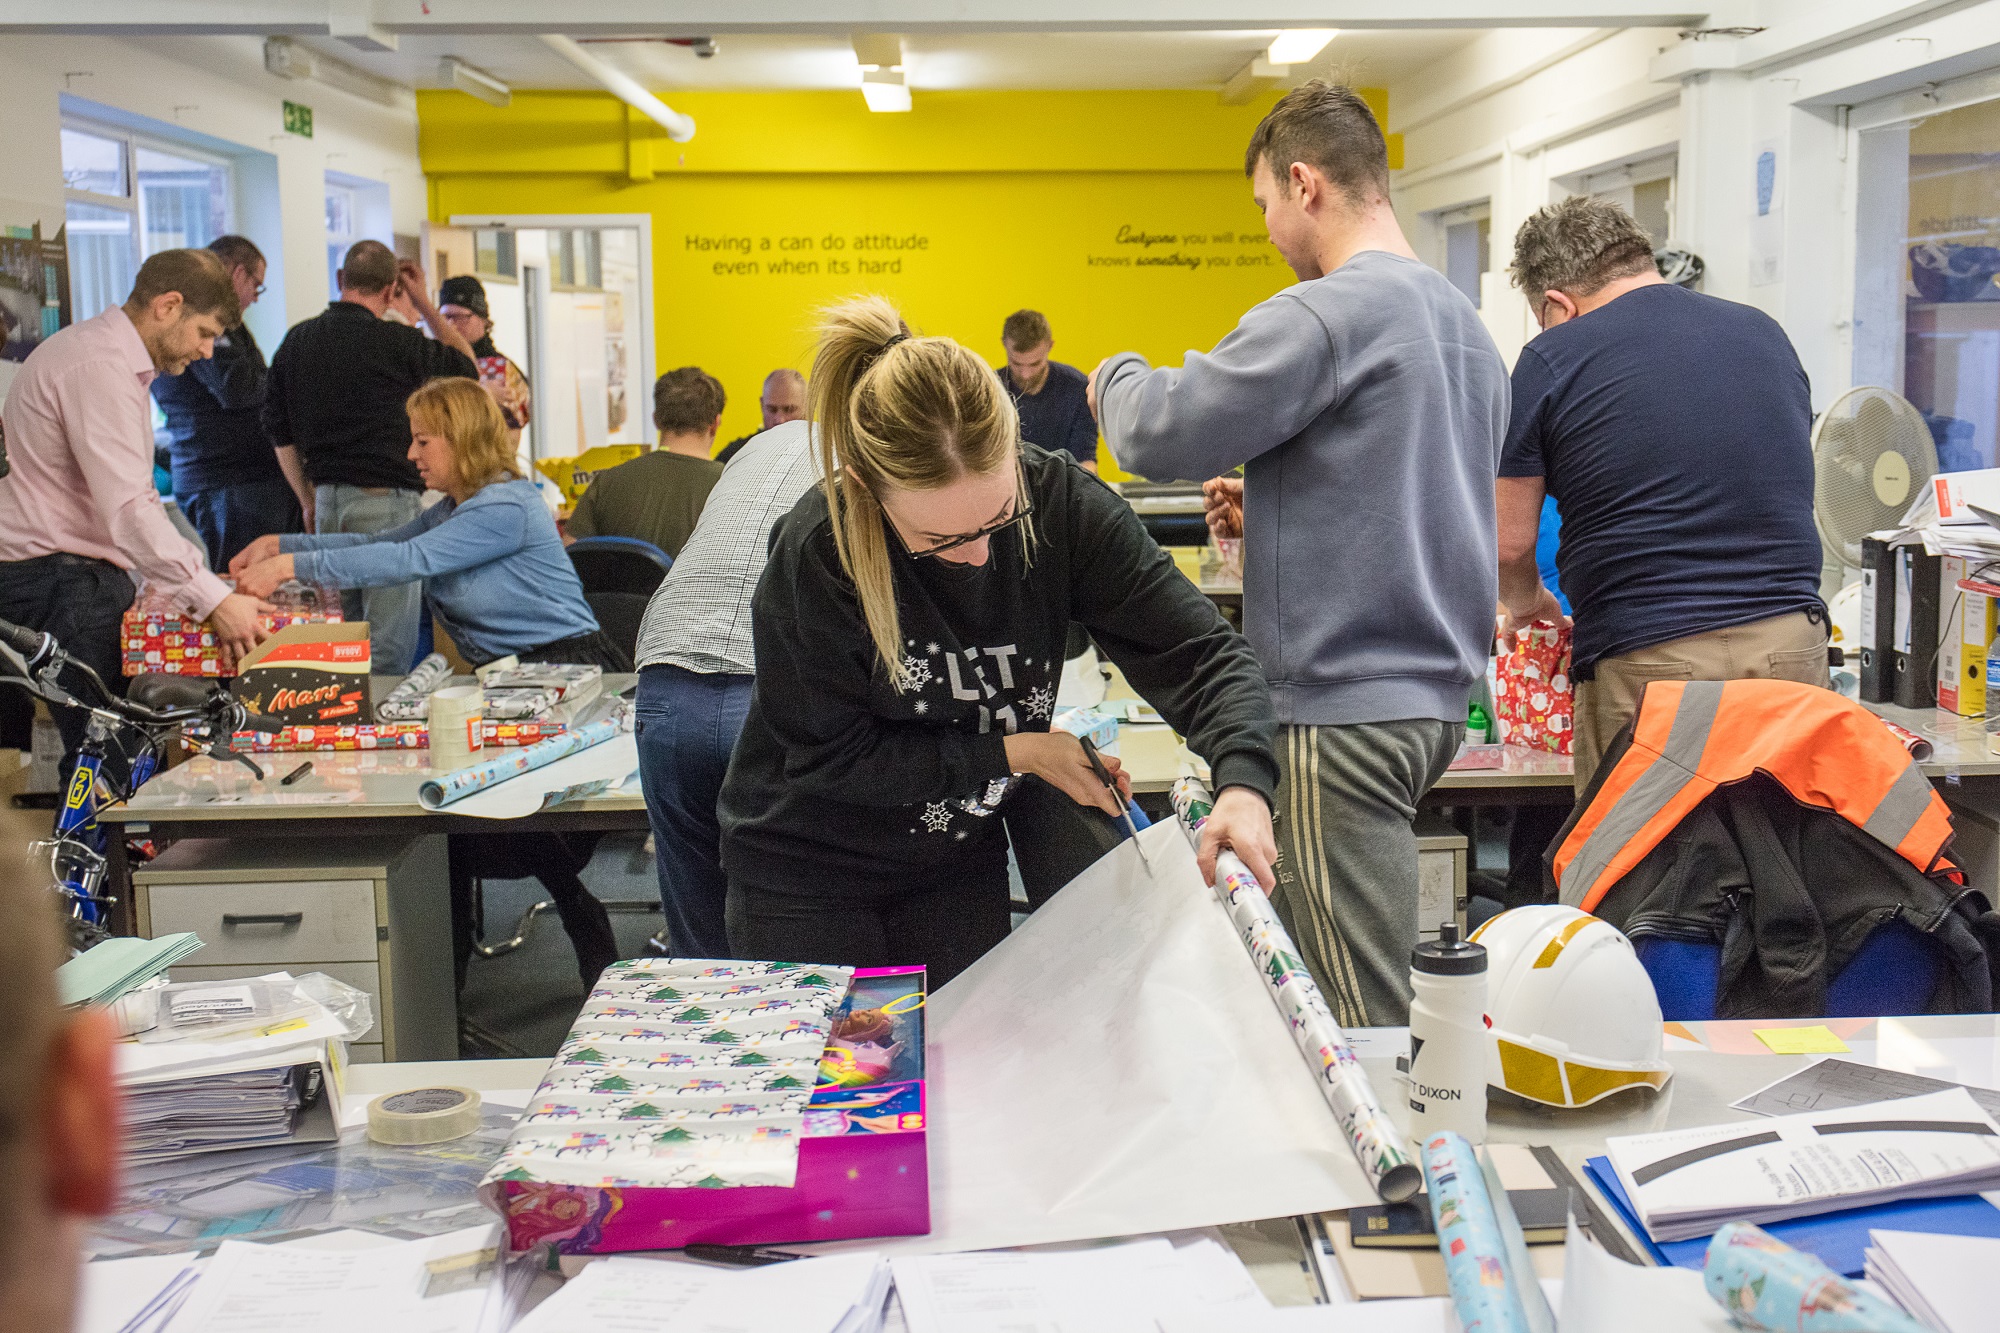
(1296, 46)
(882, 95)
(474, 81)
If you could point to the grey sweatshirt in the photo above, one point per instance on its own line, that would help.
(1368, 409)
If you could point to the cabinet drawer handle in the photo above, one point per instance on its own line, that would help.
(231, 920)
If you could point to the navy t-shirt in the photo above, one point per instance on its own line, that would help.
(1674, 430)
(1058, 417)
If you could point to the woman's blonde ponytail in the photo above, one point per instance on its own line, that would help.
(892, 410)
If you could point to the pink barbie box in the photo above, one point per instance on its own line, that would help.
(725, 1103)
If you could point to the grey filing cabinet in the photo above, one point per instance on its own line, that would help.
(1441, 866)
(374, 913)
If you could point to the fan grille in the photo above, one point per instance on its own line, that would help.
(1871, 454)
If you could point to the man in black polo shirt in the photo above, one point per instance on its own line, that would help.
(334, 409)
(226, 477)
(1049, 395)
(1674, 430)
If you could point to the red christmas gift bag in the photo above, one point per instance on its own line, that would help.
(1532, 692)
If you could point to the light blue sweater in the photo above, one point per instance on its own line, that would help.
(494, 569)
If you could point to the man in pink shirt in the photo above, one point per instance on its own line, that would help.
(79, 517)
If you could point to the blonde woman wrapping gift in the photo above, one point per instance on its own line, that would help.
(909, 632)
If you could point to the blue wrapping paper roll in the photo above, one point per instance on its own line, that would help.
(441, 791)
(1764, 1284)
(1469, 1238)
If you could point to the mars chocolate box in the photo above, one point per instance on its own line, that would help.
(308, 674)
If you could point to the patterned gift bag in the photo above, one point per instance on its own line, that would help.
(1532, 692)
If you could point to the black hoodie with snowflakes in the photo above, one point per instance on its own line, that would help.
(842, 786)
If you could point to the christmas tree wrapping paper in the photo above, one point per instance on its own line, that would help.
(725, 1102)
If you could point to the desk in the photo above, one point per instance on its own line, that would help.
(1714, 1064)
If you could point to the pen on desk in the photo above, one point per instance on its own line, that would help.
(296, 774)
(740, 1256)
(1117, 797)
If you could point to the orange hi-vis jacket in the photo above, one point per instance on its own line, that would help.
(1691, 737)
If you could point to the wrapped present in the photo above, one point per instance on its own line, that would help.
(567, 682)
(155, 636)
(1087, 723)
(732, 1103)
(386, 736)
(1532, 691)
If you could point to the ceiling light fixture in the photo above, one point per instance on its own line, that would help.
(883, 83)
(474, 81)
(1297, 46)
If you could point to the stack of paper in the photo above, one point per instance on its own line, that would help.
(1945, 1282)
(839, 1294)
(1102, 1289)
(209, 1096)
(1954, 514)
(1688, 1182)
(107, 970)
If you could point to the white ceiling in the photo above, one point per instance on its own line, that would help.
(1371, 57)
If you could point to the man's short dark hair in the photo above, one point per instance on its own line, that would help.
(237, 252)
(687, 400)
(1577, 246)
(199, 276)
(1325, 125)
(1025, 329)
(368, 267)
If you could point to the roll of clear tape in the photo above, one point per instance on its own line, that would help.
(422, 1116)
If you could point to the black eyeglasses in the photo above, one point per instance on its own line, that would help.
(1024, 506)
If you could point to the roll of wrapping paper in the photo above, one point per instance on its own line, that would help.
(1764, 1284)
(441, 791)
(1376, 1144)
(410, 700)
(1470, 1239)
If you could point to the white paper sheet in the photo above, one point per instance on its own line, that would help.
(1432, 1314)
(1603, 1292)
(334, 1287)
(115, 1291)
(1115, 1068)
(1105, 1289)
(601, 767)
(1946, 1281)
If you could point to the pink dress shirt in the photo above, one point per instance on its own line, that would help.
(80, 438)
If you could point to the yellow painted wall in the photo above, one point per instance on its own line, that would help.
(1124, 217)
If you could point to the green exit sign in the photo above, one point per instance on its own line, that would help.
(299, 120)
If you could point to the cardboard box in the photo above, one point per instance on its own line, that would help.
(615, 1103)
(308, 674)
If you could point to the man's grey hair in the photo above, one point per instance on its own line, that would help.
(785, 375)
(1577, 246)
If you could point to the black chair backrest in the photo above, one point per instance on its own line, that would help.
(619, 576)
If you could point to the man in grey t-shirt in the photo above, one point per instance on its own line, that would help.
(696, 668)
(1367, 405)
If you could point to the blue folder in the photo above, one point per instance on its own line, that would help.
(1838, 1238)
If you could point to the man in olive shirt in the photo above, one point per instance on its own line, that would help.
(658, 496)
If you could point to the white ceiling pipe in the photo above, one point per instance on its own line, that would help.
(679, 128)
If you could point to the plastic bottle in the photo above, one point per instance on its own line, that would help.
(1448, 1038)
(1478, 727)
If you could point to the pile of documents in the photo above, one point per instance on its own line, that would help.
(275, 1086)
(1126, 1288)
(1688, 1182)
(843, 1293)
(1956, 513)
(102, 973)
(1944, 1282)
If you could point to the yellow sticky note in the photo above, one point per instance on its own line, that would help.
(1817, 1040)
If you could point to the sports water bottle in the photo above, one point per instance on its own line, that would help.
(1448, 1038)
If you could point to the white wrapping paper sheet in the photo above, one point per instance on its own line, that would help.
(1115, 1067)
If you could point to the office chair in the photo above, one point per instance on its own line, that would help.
(619, 575)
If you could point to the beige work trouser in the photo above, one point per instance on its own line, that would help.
(1787, 647)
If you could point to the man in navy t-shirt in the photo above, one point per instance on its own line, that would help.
(1049, 396)
(1674, 430)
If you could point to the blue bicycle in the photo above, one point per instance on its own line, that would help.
(157, 709)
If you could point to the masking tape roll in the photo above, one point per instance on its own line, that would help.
(423, 1115)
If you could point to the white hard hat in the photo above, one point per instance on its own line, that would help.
(1574, 1016)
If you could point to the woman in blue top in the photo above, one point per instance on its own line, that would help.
(496, 575)
(494, 569)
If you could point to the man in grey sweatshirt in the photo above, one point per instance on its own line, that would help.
(1367, 406)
